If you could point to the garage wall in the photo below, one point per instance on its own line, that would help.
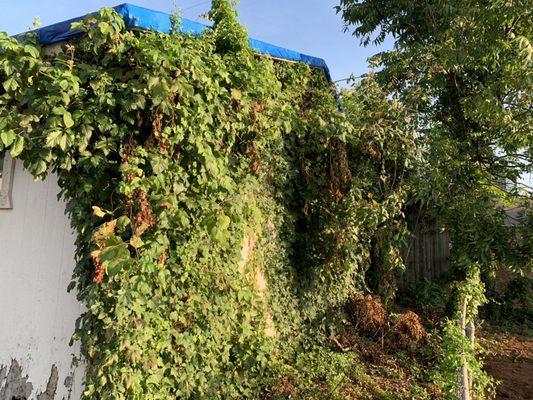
(37, 315)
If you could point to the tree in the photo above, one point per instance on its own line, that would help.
(466, 66)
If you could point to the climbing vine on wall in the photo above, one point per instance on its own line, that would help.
(223, 203)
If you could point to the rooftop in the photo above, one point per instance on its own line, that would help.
(136, 17)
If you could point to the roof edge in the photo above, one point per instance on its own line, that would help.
(136, 17)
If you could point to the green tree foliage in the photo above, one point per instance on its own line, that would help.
(466, 67)
(223, 205)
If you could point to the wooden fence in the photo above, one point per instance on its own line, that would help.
(427, 256)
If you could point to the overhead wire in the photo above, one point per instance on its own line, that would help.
(196, 5)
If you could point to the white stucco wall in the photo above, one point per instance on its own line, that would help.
(37, 315)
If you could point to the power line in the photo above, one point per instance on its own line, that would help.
(196, 5)
(351, 78)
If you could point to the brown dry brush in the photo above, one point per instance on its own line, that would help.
(144, 218)
(103, 233)
(406, 329)
(368, 316)
(340, 175)
(367, 313)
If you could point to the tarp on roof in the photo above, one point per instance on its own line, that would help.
(143, 18)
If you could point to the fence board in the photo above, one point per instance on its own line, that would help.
(427, 256)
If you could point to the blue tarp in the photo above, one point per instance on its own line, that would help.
(143, 18)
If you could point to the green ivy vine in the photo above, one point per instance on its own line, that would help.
(223, 205)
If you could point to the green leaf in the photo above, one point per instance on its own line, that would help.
(115, 258)
(17, 147)
(67, 119)
(8, 137)
(53, 138)
(152, 81)
(31, 50)
(99, 212)
(71, 286)
(63, 84)
(136, 242)
(218, 228)
(122, 223)
(10, 84)
(104, 27)
(38, 168)
(159, 164)
(63, 142)
(236, 94)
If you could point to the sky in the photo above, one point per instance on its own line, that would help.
(308, 26)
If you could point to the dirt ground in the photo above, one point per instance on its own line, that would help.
(510, 361)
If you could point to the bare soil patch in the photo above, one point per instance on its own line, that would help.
(510, 361)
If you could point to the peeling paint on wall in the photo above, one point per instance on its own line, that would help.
(14, 385)
(51, 386)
